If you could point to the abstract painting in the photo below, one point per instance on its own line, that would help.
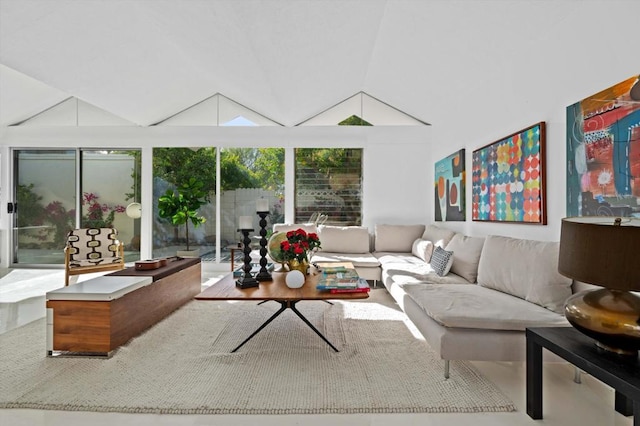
(449, 188)
(508, 179)
(603, 152)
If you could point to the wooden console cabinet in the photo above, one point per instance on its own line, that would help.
(94, 320)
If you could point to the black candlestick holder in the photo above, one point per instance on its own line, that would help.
(247, 280)
(263, 274)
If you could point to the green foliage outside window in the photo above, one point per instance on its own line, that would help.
(354, 120)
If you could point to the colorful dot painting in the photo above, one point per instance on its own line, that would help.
(507, 179)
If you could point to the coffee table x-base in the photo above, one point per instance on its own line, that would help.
(277, 290)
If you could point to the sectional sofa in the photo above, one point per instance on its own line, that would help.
(470, 297)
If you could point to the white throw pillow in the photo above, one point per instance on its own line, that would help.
(344, 239)
(441, 261)
(467, 256)
(397, 238)
(422, 249)
(439, 236)
(286, 227)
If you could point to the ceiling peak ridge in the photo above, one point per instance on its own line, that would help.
(218, 110)
(73, 111)
(360, 113)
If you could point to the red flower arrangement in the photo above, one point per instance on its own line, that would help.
(298, 244)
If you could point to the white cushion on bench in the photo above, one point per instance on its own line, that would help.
(473, 306)
(99, 289)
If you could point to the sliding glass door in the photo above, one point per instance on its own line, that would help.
(110, 181)
(47, 199)
(44, 205)
(176, 172)
(246, 175)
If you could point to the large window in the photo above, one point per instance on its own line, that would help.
(173, 169)
(249, 174)
(246, 175)
(329, 181)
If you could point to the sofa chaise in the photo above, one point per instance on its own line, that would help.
(496, 287)
(473, 302)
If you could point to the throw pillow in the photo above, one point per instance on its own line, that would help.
(422, 249)
(467, 256)
(344, 239)
(439, 236)
(527, 269)
(286, 227)
(441, 261)
(396, 238)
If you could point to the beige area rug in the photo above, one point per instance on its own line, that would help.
(183, 366)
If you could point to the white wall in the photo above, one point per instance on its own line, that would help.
(574, 62)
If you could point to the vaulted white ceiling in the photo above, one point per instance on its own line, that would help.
(146, 60)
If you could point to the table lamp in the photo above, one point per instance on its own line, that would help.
(604, 251)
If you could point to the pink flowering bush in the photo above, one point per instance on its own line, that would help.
(98, 215)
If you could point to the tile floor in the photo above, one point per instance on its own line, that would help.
(565, 402)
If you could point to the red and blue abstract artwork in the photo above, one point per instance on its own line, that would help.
(603, 152)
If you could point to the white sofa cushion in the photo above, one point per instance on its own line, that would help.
(524, 268)
(396, 238)
(344, 239)
(359, 260)
(466, 256)
(473, 306)
(398, 268)
(286, 227)
(439, 236)
(422, 249)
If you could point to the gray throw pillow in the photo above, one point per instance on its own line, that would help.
(441, 261)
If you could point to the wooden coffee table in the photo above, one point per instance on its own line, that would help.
(277, 290)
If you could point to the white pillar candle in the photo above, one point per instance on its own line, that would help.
(246, 222)
(262, 205)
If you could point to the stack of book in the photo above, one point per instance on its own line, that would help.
(362, 286)
(339, 279)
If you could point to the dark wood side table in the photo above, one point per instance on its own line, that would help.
(581, 351)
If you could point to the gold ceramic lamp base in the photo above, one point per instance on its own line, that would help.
(608, 316)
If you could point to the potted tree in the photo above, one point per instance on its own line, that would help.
(181, 207)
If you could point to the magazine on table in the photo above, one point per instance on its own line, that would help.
(338, 277)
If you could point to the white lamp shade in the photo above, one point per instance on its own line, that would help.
(134, 210)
